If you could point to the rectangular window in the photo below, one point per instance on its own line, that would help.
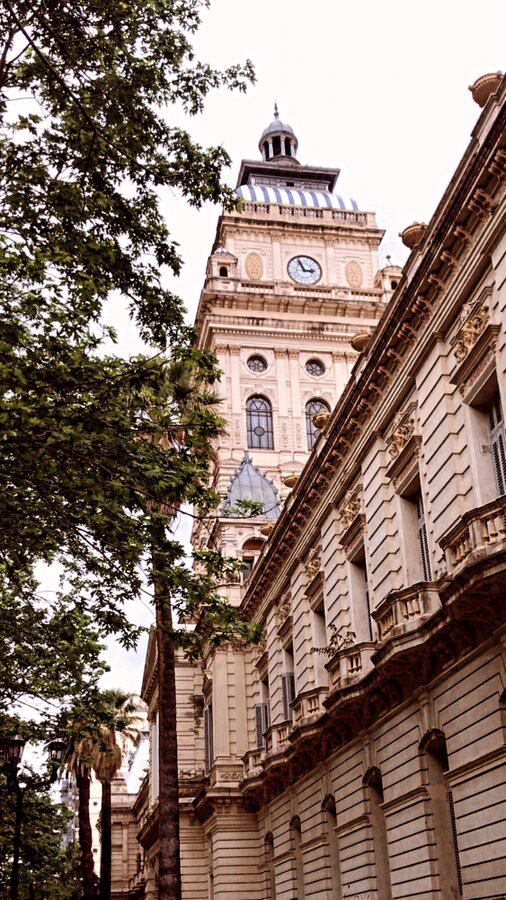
(288, 688)
(208, 737)
(497, 443)
(422, 538)
(262, 722)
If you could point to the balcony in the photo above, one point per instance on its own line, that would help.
(350, 663)
(480, 532)
(276, 738)
(253, 760)
(402, 610)
(309, 705)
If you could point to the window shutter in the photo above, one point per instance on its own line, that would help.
(498, 444)
(422, 539)
(261, 722)
(288, 685)
(208, 737)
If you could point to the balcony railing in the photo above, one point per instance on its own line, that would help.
(401, 608)
(350, 663)
(253, 760)
(283, 289)
(478, 531)
(309, 704)
(275, 211)
(276, 738)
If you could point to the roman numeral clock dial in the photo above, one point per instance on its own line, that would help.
(304, 270)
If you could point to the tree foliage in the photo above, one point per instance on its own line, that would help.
(86, 145)
(48, 868)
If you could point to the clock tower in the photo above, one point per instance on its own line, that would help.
(292, 277)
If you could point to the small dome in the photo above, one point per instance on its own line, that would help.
(277, 127)
(278, 140)
(248, 483)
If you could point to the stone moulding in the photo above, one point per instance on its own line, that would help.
(476, 367)
(403, 468)
(350, 663)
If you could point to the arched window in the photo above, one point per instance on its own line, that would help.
(223, 272)
(250, 552)
(259, 423)
(296, 839)
(312, 408)
(266, 149)
(433, 747)
(330, 826)
(373, 786)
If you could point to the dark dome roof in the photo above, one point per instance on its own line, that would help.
(248, 483)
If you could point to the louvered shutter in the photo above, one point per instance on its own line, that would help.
(208, 737)
(498, 444)
(288, 685)
(422, 539)
(261, 722)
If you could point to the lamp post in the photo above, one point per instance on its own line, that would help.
(12, 752)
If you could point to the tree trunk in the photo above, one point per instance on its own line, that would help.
(85, 839)
(169, 881)
(105, 842)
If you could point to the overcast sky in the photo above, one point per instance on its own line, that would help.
(379, 90)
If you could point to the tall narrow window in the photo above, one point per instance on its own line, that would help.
(497, 443)
(433, 745)
(373, 785)
(208, 736)
(330, 825)
(359, 583)
(288, 149)
(320, 642)
(296, 836)
(259, 423)
(288, 684)
(269, 862)
(312, 408)
(250, 552)
(262, 713)
(276, 145)
(422, 538)
(266, 149)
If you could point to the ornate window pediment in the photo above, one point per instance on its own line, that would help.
(474, 347)
(352, 519)
(403, 445)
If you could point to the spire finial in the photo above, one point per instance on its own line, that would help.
(276, 113)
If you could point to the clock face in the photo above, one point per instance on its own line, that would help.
(304, 270)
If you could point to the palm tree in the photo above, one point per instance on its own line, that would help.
(78, 762)
(120, 730)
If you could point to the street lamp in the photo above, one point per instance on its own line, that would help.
(55, 749)
(12, 751)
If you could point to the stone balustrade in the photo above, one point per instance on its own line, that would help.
(350, 663)
(401, 609)
(276, 738)
(309, 704)
(275, 211)
(475, 534)
(253, 760)
(282, 289)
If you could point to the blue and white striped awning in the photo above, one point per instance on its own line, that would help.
(289, 196)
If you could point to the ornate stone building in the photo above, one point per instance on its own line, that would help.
(359, 751)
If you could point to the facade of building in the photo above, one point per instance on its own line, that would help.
(359, 751)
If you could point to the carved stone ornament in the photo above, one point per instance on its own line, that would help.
(470, 331)
(353, 273)
(350, 509)
(403, 430)
(284, 608)
(254, 266)
(313, 562)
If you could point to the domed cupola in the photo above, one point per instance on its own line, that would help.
(278, 141)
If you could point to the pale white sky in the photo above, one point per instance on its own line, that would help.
(376, 89)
